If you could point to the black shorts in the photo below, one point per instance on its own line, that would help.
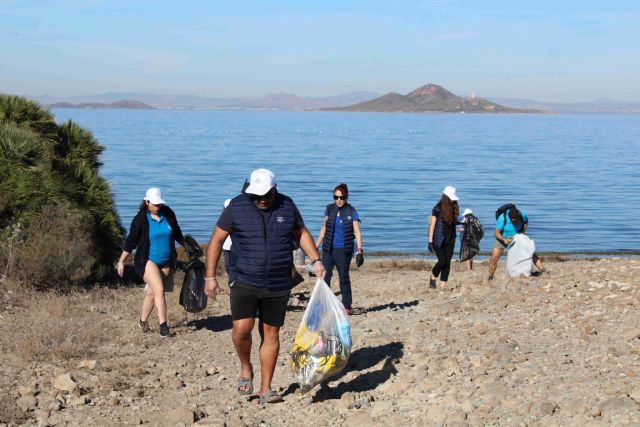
(248, 302)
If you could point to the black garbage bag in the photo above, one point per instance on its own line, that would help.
(473, 233)
(192, 247)
(192, 296)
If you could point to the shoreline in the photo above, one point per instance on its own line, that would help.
(486, 254)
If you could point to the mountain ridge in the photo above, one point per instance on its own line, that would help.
(122, 104)
(289, 101)
(274, 101)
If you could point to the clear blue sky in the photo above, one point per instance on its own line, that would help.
(547, 50)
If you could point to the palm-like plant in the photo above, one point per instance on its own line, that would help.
(25, 113)
(43, 164)
(26, 181)
(78, 159)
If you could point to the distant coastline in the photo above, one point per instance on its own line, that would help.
(124, 104)
(391, 102)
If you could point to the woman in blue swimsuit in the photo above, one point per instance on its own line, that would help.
(154, 231)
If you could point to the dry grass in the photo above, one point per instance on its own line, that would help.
(51, 325)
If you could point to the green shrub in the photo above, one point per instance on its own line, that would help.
(44, 165)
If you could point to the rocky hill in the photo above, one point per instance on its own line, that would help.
(430, 98)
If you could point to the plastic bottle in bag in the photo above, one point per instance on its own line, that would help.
(323, 342)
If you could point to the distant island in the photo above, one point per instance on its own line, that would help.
(128, 105)
(430, 98)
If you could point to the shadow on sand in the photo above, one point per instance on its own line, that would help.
(214, 324)
(360, 360)
(391, 306)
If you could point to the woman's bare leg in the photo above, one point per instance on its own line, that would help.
(154, 278)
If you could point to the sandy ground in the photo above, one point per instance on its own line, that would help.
(559, 349)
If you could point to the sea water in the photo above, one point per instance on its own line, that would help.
(576, 176)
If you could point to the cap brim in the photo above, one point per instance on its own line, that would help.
(258, 190)
(157, 201)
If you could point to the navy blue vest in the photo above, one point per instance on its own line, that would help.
(262, 253)
(438, 233)
(346, 213)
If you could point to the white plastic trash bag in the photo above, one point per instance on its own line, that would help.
(323, 341)
(520, 256)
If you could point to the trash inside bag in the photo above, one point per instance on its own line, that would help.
(323, 342)
(520, 256)
(192, 295)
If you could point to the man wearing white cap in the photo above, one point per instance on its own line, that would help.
(263, 225)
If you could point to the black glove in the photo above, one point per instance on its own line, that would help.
(359, 259)
(430, 247)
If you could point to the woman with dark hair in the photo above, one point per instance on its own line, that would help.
(154, 231)
(341, 225)
(442, 234)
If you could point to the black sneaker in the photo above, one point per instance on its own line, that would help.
(432, 283)
(164, 330)
(144, 326)
(490, 278)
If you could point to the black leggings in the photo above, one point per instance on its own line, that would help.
(444, 254)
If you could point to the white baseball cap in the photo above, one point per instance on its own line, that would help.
(467, 212)
(261, 181)
(450, 192)
(154, 195)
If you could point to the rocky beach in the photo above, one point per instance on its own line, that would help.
(561, 349)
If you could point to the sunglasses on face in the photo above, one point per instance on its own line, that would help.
(339, 197)
(267, 196)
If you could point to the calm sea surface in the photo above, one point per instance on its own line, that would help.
(576, 176)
